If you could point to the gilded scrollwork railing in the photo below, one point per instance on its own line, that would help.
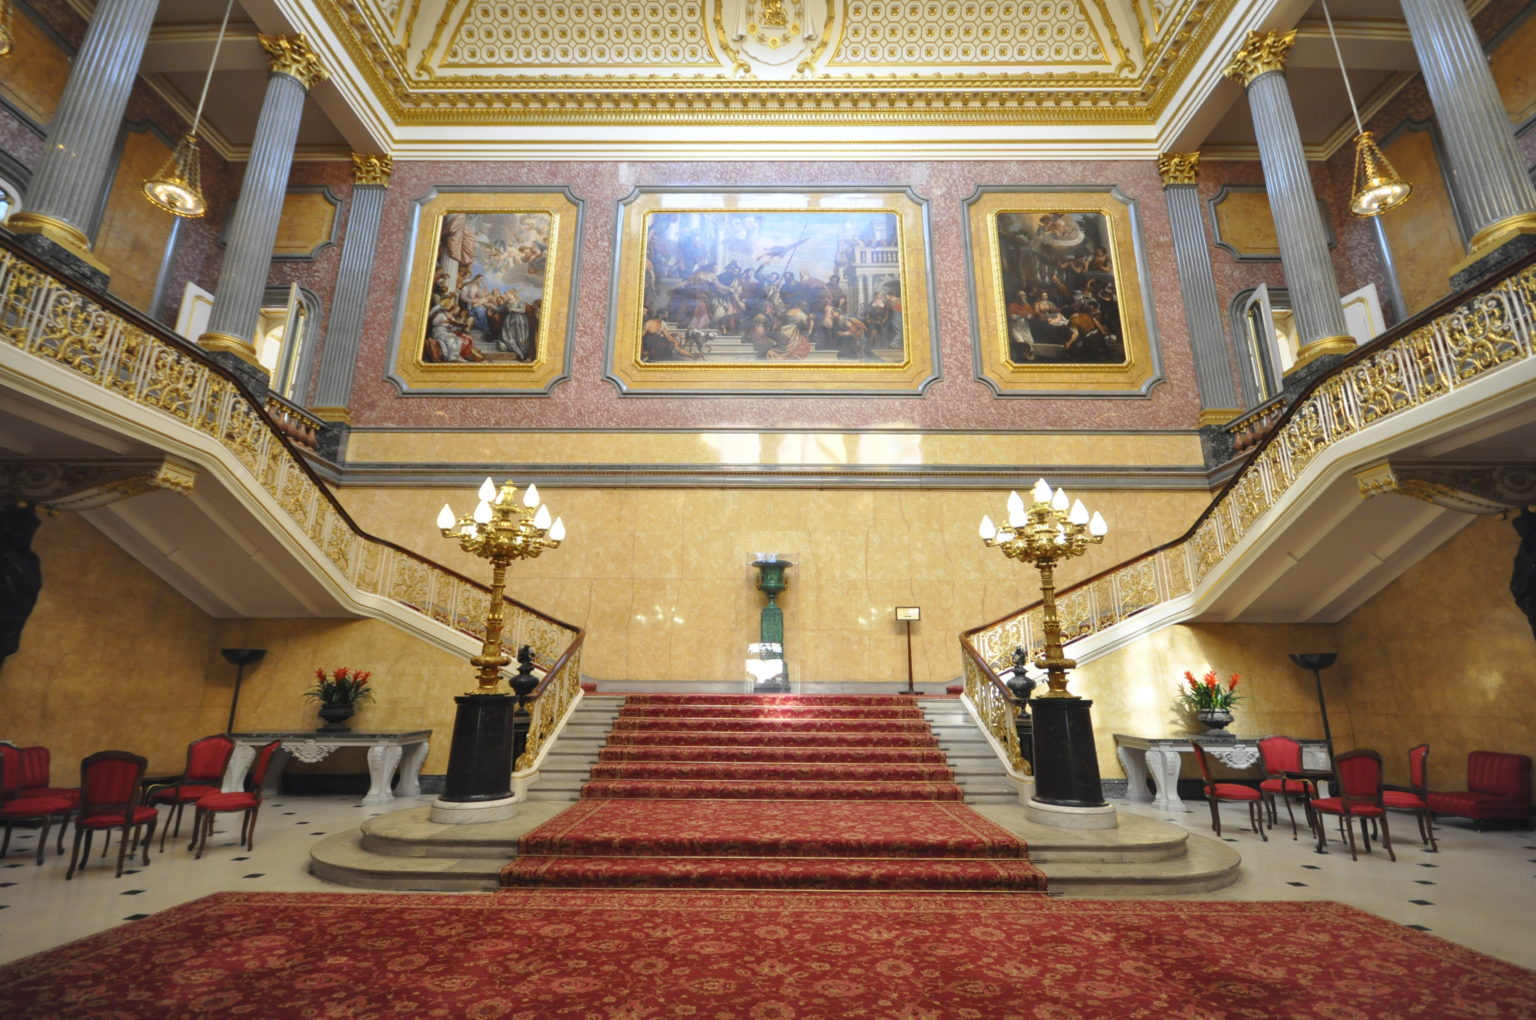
(112, 348)
(1430, 357)
(996, 708)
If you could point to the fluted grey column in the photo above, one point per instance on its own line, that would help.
(1259, 67)
(1219, 401)
(1488, 174)
(338, 359)
(79, 153)
(253, 229)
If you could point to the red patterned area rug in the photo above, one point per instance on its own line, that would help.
(606, 955)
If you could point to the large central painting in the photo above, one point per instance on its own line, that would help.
(779, 291)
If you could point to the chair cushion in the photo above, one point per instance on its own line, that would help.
(70, 794)
(1467, 804)
(112, 818)
(34, 807)
(1235, 791)
(1335, 806)
(1405, 799)
(184, 794)
(228, 802)
(1284, 786)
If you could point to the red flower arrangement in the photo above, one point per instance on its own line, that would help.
(1208, 692)
(340, 687)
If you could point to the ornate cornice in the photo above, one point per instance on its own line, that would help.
(1178, 167)
(1261, 53)
(291, 55)
(371, 171)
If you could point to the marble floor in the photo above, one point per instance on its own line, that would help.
(1479, 890)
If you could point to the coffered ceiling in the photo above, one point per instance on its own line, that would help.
(667, 79)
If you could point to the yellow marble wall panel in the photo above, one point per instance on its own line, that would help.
(1514, 73)
(308, 221)
(1423, 234)
(1444, 656)
(89, 649)
(751, 448)
(1246, 223)
(133, 233)
(35, 72)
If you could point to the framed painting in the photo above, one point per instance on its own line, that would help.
(784, 291)
(485, 304)
(1057, 286)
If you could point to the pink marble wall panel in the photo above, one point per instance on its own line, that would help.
(957, 401)
(319, 274)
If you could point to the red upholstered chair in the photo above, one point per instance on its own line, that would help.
(36, 769)
(109, 799)
(1414, 797)
(248, 803)
(1280, 755)
(1215, 791)
(1359, 777)
(1498, 789)
(16, 809)
(206, 761)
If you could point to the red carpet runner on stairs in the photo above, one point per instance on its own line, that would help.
(772, 792)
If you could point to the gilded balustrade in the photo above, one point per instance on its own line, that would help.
(1480, 334)
(46, 318)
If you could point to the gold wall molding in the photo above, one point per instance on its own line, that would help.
(1262, 52)
(1176, 168)
(291, 55)
(371, 170)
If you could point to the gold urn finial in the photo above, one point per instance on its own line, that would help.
(1261, 53)
(291, 55)
(1178, 167)
(371, 170)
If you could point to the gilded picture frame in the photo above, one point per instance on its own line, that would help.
(485, 304)
(1057, 279)
(786, 291)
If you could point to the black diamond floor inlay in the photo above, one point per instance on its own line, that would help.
(1422, 881)
(1423, 903)
(1313, 867)
(254, 874)
(6, 885)
(132, 892)
(317, 834)
(1419, 927)
(135, 917)
(239, 858)
(1423, 865)
(13, 865)
(1302, 884)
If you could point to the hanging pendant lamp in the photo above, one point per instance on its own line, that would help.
(7, 38)
(177, 187)
(1377, 187)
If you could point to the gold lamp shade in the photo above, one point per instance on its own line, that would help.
(1377, 186)
(177, 186)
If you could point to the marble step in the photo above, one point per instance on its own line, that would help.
(1206, 865)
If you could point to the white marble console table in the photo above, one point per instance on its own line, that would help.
(1159, 758)
(386, 751)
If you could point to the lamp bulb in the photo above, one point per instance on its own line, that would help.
(1097, 527)
(1017, 518)
(1079, 513)
(482, 512)
(1059, 500)
(1015, 502)
(541, 519)
(988, 529)
(531, 496)
(445, 518)
(1042, 493)
(557, 530)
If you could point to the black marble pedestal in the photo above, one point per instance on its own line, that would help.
(480, 758)
(1066, 763)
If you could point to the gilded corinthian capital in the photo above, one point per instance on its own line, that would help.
(1263, 52)
(371, 170)
(291, 55)
(1178, 167)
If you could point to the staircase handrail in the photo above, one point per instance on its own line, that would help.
(1459, 339)
(102, 341)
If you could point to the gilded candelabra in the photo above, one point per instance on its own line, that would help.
(1042, 533)
(501, 529)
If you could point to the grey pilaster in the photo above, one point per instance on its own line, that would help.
(1219, 400)
(339, 357)
(1309, 274)
(1488, 175)
(79, 154)
(253, 228)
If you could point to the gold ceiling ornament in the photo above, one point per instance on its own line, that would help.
(1178, 167)
(1261, 53)
(1377, 187)
(291, 55)
(7, 38)
(370, 170)
(177, 187)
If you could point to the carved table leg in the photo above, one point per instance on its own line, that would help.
(239, 764)
(1164, 767)
(410, 771)
(382, 762)
(1133, 762)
